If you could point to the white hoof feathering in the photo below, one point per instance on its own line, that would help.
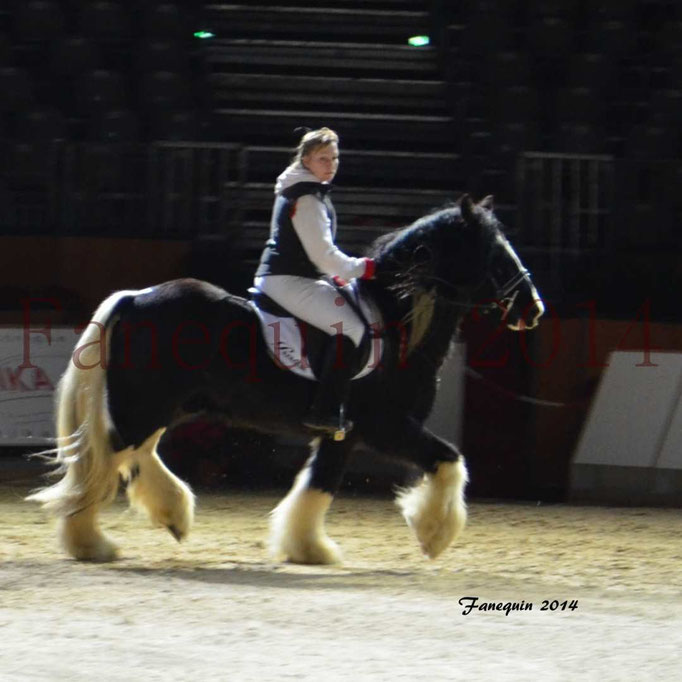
(297, 531)
(435, 509)
(82, 539)
(152, 487)
(84, 454)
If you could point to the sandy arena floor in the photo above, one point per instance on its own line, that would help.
(216, 608)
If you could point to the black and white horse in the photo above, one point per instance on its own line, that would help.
(151, 358)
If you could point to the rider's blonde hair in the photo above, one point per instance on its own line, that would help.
(312, 140)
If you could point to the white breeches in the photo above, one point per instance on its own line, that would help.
(314, 301)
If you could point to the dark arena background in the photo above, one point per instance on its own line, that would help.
(140, 141)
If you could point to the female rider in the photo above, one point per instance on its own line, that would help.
(300, 257)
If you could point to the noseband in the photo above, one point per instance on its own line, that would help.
(503, 292)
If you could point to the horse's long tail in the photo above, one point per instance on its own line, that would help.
(83, 424)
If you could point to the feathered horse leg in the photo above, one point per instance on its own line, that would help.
(297, 531)
(168, 501)
(434, 508)
(84, 454)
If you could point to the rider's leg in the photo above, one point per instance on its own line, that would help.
(320, 304)
(327, 410)
(316, 302)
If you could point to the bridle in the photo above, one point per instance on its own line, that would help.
(506, 294)
(503, 295)
(502, 292)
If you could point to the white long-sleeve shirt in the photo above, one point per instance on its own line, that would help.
(314, 229)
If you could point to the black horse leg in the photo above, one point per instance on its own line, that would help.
(328, 463)
(297, 523)
(434, 508)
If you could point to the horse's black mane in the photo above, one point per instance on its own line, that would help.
(404, 237)
(438, 247)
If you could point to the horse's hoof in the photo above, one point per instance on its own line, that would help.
(84, 542)
(100, 552)
(320, 552)
(435, 538)
(435, 509)
(177, 534)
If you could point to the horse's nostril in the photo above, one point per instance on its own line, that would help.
(540, 311)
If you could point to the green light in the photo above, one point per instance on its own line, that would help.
(419, 41)
(202, 35)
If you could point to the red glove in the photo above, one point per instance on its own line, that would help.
(370, 269)
(369, 273)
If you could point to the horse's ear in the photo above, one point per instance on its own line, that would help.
(487, 202)
(466, 207)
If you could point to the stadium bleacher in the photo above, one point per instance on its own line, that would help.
(420, 122)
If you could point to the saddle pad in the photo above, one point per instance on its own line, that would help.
(285, 339)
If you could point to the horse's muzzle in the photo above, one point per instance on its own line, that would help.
(530, 317)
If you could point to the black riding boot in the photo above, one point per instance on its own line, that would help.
(327, 411)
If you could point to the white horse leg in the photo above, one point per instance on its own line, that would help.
(84, 454)
(81, 537)
(88, 486)
(297, 531)
(168, 501)
(434, 509)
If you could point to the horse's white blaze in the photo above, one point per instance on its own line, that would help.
(168, 501)
(435, 509)
(501, 239)
(539, 305)
(297, 525)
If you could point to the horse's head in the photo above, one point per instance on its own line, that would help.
(505, 284)
(461, 255)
